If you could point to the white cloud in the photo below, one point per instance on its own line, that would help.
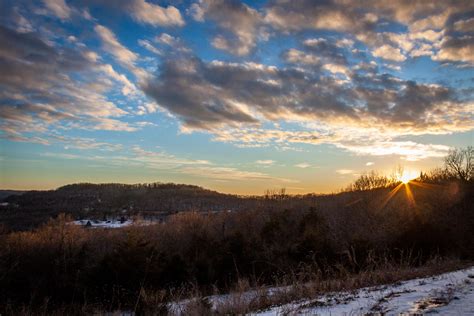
(303, 165)
(154, 14)
(149, 46)
(59, 8)
(297, 56)
(265, 162)
(389, 52)
(128, 87)
(408, 150)
(345, 171)
(196, 12)
(122, 54)
(422, 50)
(113, 46)
(334, 68)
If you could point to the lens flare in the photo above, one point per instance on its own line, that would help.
(407, 176)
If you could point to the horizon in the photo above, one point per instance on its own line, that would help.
(404, 177)
(233, 96)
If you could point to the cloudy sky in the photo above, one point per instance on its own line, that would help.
(234, 96)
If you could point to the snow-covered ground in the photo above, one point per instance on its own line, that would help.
(446, 294)
(114, 223)
(103, 224)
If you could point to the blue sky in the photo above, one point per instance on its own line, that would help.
(234, 96)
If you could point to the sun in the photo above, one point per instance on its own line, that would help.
(407, 176)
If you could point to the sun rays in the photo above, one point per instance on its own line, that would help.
(406, 179)
(390, 195)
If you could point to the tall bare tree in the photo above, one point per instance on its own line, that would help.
(460, 163)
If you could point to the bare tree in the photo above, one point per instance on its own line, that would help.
(460, 163)
(369, 181)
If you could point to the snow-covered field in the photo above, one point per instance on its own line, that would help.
(446, 294)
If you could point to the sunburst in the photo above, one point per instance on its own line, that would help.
(406, 179)
(407, 176)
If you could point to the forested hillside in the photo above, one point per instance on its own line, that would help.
(98, 200)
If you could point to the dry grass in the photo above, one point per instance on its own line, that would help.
(251, 300)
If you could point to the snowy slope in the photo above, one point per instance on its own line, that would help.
(446, 294)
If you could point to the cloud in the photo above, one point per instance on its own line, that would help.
(184, 89)
(370, 163)
(147, 108)
(83, 143)
(327, 87)
(211, 95)
(265, 162)
(58, 8)
(231, 174)
(196, 11)
(305, 15)
(145, 12)
(128, 87)
(160, 160)
(241, 26)
(22, 24)
(324, 81)
(150, 47)
(345, 171)
(149, 13)
(45, 85)
(422, 50)
(299, 57)
(389, 52)
(166, 39)
(457, 50)
(175, 44)
(466, 26)
(335, 69)
(122, 54)
(113, 46)
(409, 150)
(119, 156)
(303, 165)
(435, 21)
(320, 52)
(239, 23)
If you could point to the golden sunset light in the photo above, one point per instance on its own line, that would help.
(236, 157)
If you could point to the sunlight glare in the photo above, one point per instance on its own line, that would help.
(407, 176)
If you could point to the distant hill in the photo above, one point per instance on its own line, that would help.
(158, 200)
(87, 200)
(111, 197)
(6, 193)
(99, 200)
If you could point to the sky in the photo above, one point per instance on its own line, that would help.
(235, 96)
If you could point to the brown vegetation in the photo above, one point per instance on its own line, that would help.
(313, 243)
(353, 233)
